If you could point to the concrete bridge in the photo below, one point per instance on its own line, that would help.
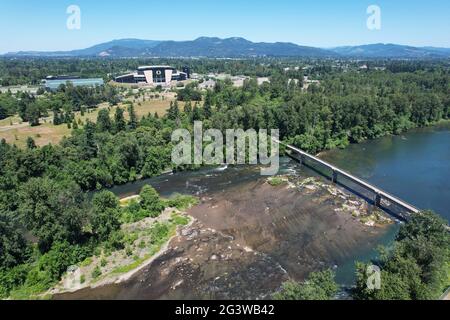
(381, 199)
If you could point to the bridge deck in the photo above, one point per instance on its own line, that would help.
(352, 178)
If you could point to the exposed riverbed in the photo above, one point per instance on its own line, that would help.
(249, 237)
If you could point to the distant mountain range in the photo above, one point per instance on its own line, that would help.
(381, 50)
(238, 48)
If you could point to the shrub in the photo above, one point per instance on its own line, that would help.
(276, 181)
(13, 278)
(159, 233)
(150, 201)
(318, 286)
(129, 251)
(86, 262)
(133, 213)
(180, 220)
(96, 272)
(115, 240)
(181, 202)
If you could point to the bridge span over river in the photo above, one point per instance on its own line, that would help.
(374, 195)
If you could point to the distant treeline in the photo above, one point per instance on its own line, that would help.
(22, 71)
(64, 102)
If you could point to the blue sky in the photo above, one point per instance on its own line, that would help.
(41, 25)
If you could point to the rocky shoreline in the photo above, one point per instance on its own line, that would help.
(115, 265)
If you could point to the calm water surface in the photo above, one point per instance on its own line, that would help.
(414, 167)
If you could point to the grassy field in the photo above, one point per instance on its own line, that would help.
(143, 108)
(42, 135)
(14, 131)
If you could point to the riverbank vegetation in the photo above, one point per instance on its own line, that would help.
(84, 229)
(277, 181)
(320, 285)
(142, 241)
(416, 267)
(47, 222)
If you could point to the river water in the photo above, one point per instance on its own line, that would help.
(414, 167)
(249, 237)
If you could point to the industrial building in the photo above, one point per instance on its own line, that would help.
(52, 83)
(162, 75)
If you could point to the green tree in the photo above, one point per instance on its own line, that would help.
(61, 256)
(133, 122)
(174, 112)
(13, 247)
(105, 214)
(104, 121)
(188, 110)
(196, 113)
(87, 144)
(52, 211)
(33, 114)
(207, 105)
(30, 143)
(319, 286)
(154, 162)
(150, 201)
(57, 117)
(119, 120)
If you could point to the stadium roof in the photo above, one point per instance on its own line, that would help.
(155, 67)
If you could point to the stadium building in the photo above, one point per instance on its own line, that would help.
(162, 75)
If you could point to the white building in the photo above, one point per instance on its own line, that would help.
(162, 75)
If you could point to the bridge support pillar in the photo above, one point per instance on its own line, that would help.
(334, 177)
(377, 200)
(301, 159)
